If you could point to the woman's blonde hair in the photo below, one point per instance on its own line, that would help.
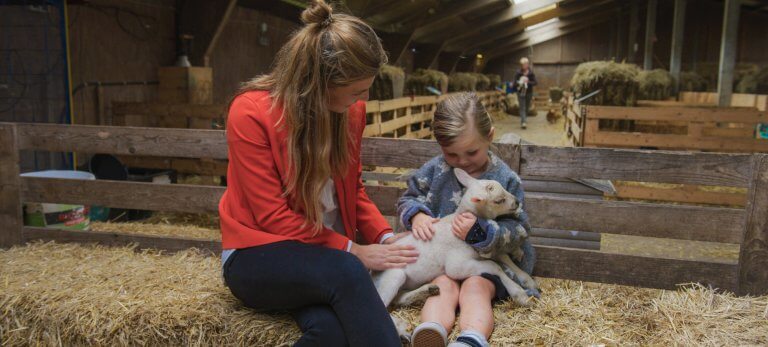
(524, 60)
(458, 113)
(330, 50)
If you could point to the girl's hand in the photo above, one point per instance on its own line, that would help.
(421, 225)
(462, 223)
(382, 257)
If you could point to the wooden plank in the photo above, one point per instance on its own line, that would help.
(677, 113)
(715, 224)
(565, 234)
(11, 217)
(385, 198)
(121, 194)
(181, 165)
(167, 243)
(531, 186)
(687, 194)
(715, 169)
(753, 259)
(729, 132)
(185, 143)
(593, 266)
(413, 154)
(670, 141)
(170, 110)
(566, 243)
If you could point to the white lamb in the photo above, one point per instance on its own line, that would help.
(446, 254)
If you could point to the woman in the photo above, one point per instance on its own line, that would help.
(524, 81)
(295, 199)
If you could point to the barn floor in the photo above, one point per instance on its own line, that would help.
(67, 294)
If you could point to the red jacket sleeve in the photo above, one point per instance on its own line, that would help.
(252, 163)
(371, 224)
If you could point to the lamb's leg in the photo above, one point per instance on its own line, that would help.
(388, 283)
(462, 268)
(417, 296)
(525, 278)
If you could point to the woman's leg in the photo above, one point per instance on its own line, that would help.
(442, 308)
(475, 298)
(523, 107)
(320, 326)
(291, 275)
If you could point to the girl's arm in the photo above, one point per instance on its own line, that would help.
(416, 196)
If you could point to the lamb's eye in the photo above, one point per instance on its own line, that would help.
(501, 201)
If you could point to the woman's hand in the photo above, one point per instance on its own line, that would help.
(462, 223)
(382, 257)
(395, 237)
(421, 225)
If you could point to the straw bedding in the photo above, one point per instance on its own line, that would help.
(83, 294)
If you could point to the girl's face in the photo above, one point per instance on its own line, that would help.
(469, 152)
(344, 96)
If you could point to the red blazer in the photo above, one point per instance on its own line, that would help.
(253, 211)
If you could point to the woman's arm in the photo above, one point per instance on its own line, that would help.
(251, 163)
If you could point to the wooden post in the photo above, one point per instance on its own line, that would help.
(728, 52)
(650, 34)
(678, 27)
(11, 218)
(753, 259)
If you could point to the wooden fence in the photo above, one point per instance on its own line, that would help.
(757, 101)
(747, 227)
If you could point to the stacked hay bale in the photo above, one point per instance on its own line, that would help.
(709, 71)
(617, 82)
(483, 82)
(494, 79)
(756, 83)
(388, 84)
(655, 84)
(462, 82)
(419, 80)
(690, 81)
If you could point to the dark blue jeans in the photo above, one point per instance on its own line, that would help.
(328, 292)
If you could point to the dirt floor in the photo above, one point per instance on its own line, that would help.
(539, 131)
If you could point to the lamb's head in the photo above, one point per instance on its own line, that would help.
(486, 198)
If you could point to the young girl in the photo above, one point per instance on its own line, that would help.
(464, 131)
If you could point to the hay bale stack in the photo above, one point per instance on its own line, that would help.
(418, 81)
(57, 294)
(709, 71)
(756, 83)
(388, 84)
(690, 81)
(462, 82)
(494, 79)
(655, 84)
(483, 82)
(555, 94)
(618, 82)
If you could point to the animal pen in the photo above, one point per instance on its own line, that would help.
(747, 226)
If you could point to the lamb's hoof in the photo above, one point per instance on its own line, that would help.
(533, 292)
(522, 299)
(433, 289)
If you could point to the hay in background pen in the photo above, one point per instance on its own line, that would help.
(494, 79)
(417, 82)
(388, 84)
(462, 82)
(617, 81)
(655, 84)
(482, 83)
(690, 81)
(756, 83)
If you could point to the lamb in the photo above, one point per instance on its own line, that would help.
(446, 254)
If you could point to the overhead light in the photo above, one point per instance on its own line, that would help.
(538, 11)
(542, 24)
(479, 56)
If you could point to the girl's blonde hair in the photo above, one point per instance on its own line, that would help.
(458, 113)
(331, 50)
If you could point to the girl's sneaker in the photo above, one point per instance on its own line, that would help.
(429, 334)
(469, 339)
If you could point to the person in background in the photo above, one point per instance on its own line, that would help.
(523, 84)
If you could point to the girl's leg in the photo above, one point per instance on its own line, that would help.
(299, 277)
(442, 308)
(475, 298)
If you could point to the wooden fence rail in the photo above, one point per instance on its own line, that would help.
(747, 227)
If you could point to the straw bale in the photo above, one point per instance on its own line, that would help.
(494, 79)
(617, 82)
(417, 82)
(692, 82)
(756, 83)
(655, 84)
(462, 82)
(388, 84)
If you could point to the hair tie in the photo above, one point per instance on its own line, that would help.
(327, 21)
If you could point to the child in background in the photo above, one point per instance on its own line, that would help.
(464, 131)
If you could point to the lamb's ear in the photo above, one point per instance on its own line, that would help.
(464, 178)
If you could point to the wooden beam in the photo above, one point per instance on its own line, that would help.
(678, 29)
(753, 258)
(11, 220)
(650, 34)
(473, 40)
(728, 42)
(205, 21)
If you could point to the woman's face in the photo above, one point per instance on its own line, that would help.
(469, 152)
(524, 66)
(344, 96)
